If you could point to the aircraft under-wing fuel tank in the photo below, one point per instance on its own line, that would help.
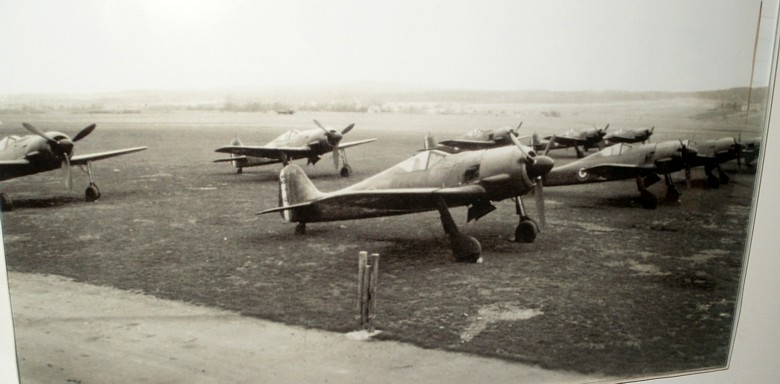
(643, 162)
(292, 145)
(430, 180)
(46, 151)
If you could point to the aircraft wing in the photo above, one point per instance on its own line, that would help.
(619, 171)
(259, 151)
(229, 159)
(354, 143)
(83, 159)
(566, 141)
(10, 169)
(402, 200)
(469, 144)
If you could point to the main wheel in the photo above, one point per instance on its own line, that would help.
(92, 193)
(672, 194)
(465, 248)
(724, 178)
(713, 182)
(346, 170)
(526, 231)
(300, 229)
(648, 200)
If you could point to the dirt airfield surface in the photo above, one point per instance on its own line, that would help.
(607, 288)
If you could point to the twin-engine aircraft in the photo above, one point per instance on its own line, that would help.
(430, 180)
(46, 151)
(309, 144)
(644, 162)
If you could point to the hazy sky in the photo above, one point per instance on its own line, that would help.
(112, 45)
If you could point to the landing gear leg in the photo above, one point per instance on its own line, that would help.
(526, 229)
(300, 228)
(580, 154)
(646, 198)
(240, 170)
(464, 248)
(346, 170)
(712, 181)
(722, 176)
(672, 193)
(92, 193)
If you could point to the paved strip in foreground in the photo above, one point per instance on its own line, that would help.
(80, 333)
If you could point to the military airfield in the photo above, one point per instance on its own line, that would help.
(607, 288)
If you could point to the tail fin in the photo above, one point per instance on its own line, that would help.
(295, 190)
(241, 159)
(535, 140)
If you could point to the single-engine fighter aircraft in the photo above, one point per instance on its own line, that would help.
(429, 180)
(712, 153)
(575, 137)
(751, 150)
(46, 151)
(629, 136)
(309, 144)
(483, 139)
(643, 162)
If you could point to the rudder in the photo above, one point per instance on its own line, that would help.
(295, 188)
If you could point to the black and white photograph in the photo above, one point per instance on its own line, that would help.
(411, 191)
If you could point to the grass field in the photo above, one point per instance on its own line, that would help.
(607, 287)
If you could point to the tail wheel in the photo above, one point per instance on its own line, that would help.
(92, 193)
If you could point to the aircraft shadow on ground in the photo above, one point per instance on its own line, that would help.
(46, 202)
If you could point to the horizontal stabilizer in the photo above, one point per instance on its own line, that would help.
(239, 158)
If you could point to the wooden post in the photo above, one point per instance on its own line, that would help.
(373, 278)
(362, 261)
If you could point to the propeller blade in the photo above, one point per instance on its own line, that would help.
(539, 195)
(519, 145)
(336, 157)
(38, 132)
(67, 175)
(321, 126)
(550, 143)
(84, 132)
(348, 128)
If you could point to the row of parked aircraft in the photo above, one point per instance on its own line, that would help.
(474, 170)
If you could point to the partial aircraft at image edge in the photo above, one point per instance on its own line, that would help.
(46, 151)
(430, 180)
(294, 144)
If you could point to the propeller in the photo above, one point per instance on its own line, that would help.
(62, 148)
(536, 168)
(334, 138)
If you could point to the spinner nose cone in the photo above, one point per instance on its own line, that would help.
(541, 166)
